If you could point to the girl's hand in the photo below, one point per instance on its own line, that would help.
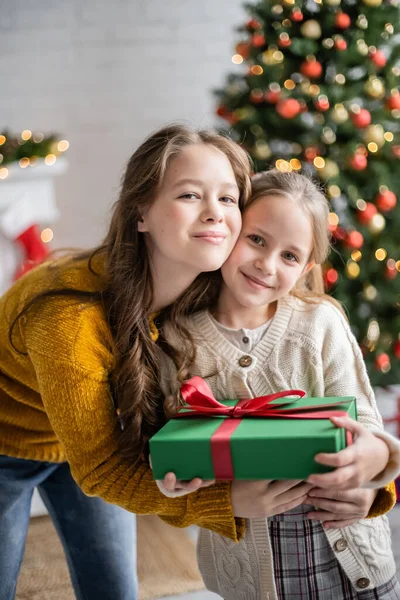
(172, 487)
(357, 464)
(337, 509)
(179, 487)
(260, 499)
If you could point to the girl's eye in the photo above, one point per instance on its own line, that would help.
(291, 257)
(228, 200)
(189, 196)
(256, 239)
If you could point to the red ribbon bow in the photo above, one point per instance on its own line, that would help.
(200, 401)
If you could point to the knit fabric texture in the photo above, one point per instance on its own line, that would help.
(56, 405)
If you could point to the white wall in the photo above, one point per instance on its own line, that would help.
(105, 74)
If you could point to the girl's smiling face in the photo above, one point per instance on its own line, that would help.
(273, 251)
(195, 218)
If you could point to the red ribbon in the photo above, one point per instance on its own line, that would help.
(202, 403)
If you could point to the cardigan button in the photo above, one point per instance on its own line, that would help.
(245, 361)
(340, 545)
(363, 583)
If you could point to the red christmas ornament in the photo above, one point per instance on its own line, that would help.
(390, 273)
(361, 119)
(303, 106)
(311, 68)
(297, 15)
(341, 45)
(272, 96)
(386, 201)
(382, 361)
(339, 233)
(258, 40)
(396, 151)
(243, 48)
(393, 102)
(222, 111)
(396, 349)
(358, 162)
(284, 42)
(378, 58)
(342, 20)
(331, 277)
(365, 216)
(257, 96)
(311, 152)
(288, 108)
(322, 104)
(253, 24)
(354, 240)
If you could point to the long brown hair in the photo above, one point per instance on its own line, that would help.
(309, 195)
(127, 290)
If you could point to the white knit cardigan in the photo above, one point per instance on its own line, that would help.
(308, 347)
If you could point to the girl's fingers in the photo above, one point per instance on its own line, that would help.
(339, 524)
(190, 486)
(344, 478)
(293, 494)
(289, 505)
(339, 508)
(348, 423)
(207, 482)
(336, 459)
(170, 482)
(282, 486)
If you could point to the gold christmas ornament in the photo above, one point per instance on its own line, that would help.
(328, 43)
(377, 223)
(261, 150)
(272, 56)
(370, 292)
(311, 29)
(328, 136)
(329, 170)
(332, 2)
(372, 3)
(375, 134)
(374, 87)
(339, 114)
(352, 270)
(362, 47)
(362, 22)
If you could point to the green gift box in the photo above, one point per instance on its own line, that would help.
(260, 447)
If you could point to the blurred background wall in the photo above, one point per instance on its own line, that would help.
(105, 74)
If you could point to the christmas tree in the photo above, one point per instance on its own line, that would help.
(315, 89)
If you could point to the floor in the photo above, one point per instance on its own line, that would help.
(394, 518)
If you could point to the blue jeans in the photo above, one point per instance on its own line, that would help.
(99, 539)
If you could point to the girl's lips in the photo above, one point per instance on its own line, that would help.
(258, 283)
(211, 237)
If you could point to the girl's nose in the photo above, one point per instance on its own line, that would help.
(266, 265)
(212, 212)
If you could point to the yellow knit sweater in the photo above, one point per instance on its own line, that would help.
(55, 402)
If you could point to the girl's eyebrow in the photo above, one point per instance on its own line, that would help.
(189, 181)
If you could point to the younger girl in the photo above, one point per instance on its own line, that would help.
(269, 330)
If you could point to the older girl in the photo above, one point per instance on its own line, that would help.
(77, 340)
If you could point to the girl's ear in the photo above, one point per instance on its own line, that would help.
(141, 225)
(308, 267)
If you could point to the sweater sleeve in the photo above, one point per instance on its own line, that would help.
(345, 374)
(73, 382)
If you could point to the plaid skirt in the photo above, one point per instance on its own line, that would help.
(305, 566)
